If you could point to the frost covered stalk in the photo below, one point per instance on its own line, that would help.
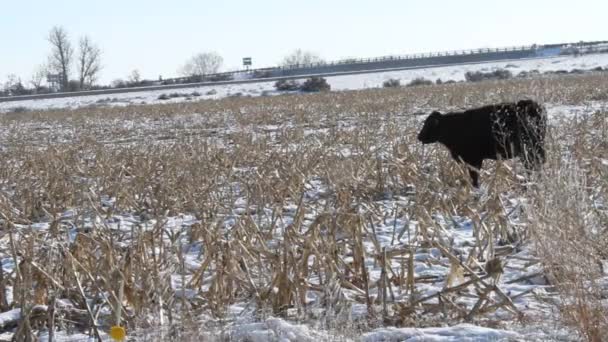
(568, 220)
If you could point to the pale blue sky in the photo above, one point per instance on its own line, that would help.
(156, 37)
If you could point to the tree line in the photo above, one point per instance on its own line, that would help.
(74, 68)
(57, 74)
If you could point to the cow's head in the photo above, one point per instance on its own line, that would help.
(430, 131)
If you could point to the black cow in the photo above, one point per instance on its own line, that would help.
(500, 131)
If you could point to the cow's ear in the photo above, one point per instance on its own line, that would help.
(435, 116)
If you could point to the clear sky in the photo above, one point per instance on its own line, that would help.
(157, 36)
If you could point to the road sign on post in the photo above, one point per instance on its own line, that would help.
(247, 62)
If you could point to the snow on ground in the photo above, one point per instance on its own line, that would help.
(146, 97)
(461, 332)
(347, 82)
(431, 263)
(518, 282)
(457, 72)
(276, 329)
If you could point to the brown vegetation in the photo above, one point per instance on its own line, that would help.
(287, 195)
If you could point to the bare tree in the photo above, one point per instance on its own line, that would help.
(62, 52)
(135, 77)
(118, 83)
(13, 85)
(300, 57)
(202, 64)
(88, 62)
(11, 80)
(38, 76)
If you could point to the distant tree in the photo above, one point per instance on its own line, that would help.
(315, 84)
(9, 84)
(202, 64)
(20, 89)
(420, 81)
(391, 83)
(73, 85)
(38, 76)
(14, 86)
(60, 59)
(478, 76)
(299, 57)
(135, 77)
(287, 85)
(88, 62)
(118, 83)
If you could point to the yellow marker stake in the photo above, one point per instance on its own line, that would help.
(118, 333)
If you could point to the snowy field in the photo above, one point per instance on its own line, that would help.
(303, 218)
(350, 82)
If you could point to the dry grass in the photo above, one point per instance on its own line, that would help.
(569, 222)
(165, 214)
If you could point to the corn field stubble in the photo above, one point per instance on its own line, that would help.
(321, 208)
